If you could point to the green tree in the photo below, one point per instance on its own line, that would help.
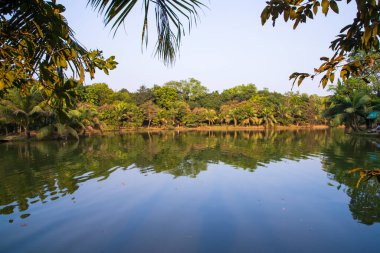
(180, 109)
(369, 78)
(85, 118)
(239, 93)
(298, 104)
(314, 110)
(165, 96)
(129, 115)
(36, 41)
(284, 116)
(198, 116)
(142, 95)
(121, 95)
(211, 100)
(109, 115)
(267, 117)
(233, 112)
(22, 109)
(189, 90)
(211, 116)
(150, 111)
(348, 106)
(98, 94)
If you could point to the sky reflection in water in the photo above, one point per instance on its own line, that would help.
(190, 192)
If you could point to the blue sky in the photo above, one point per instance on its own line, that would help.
(228, 47)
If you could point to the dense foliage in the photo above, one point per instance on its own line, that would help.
(185, 103)
(355, 98)
(37, 44)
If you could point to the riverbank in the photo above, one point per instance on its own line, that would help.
(366, 134)
(221, 128)
(12, 138)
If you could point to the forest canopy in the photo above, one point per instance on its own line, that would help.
(185, 103)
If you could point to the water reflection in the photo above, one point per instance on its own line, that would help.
(345, 153)
(40, 172)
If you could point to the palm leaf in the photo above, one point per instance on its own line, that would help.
(363, 100)
(61, 130)
(71, 132)
(169, 16)
(45, 132)
(350, 110)
(36, 110)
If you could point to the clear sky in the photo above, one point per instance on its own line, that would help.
(228, 47)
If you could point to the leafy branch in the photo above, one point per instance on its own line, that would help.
(36, 41)
(361, 35)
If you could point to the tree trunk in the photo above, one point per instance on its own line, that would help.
(346, 128)
(357, 125)
(352, 125)
(368, 124)
(27, 132)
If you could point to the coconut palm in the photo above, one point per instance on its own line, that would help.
(84, 119)
(254, 119)
(267, 117)
(284, 115)
(22, 109)
(251, 118)
(226, 118)
(58, 131)
(211, 116)
(350, 109)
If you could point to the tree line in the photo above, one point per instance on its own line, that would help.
(186, 103)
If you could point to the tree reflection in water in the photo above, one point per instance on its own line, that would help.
(45, 171)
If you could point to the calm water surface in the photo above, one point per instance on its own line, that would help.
(191, 192)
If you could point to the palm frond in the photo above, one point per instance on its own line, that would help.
(71, 132)
(45, 132)
(60, 128)
(169, 16)
(36, 110)
(363, 100)
(350, 110)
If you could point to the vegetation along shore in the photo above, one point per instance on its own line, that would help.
(179, 105)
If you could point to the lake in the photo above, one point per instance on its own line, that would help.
(260, 191)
